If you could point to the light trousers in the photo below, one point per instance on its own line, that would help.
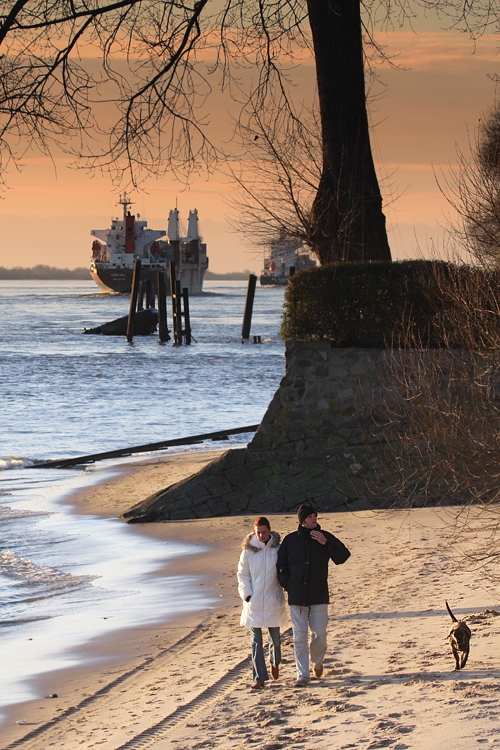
(260, 673)
(315, 619)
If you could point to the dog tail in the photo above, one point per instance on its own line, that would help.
(451, 613)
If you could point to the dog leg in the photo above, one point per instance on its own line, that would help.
(464, 659)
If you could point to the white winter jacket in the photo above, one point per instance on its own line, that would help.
(257, 578)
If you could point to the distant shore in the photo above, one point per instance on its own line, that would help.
(50, 273)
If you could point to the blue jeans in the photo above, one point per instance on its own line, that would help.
(260, 673)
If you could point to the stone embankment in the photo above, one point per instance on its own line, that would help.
(318, 442)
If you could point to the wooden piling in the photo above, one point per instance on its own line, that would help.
(247, 317)
(187, 319)
(175, 293)
(150, 293)
(178, 321)
(140, 296)
(133, 299)
(161, 286)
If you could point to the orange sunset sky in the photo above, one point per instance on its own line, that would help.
(433, 103)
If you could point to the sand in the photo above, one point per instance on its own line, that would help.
(389, 677)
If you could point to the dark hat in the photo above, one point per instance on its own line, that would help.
(304, 511)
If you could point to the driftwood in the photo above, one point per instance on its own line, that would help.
(63, 463)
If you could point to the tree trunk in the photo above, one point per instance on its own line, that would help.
(347, 222)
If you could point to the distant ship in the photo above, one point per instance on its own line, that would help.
(115, 249)
(282, 260)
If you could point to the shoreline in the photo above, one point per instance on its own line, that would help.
(121, 649)
(185, 683)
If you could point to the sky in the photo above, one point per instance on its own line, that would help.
(420, 111)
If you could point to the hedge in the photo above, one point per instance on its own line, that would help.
(407, 303)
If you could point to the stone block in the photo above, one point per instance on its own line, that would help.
(360, 368)
(338, 372)
(216, 485)
(219, 506)
(335, 442)
(336, 358)
(182, 501)
(332, 418)
(312, 433)
(203, 511)
(345, 432)
(199, 497)
(320, 371)
(357, 438)
(180, 515)
(315, 444)
(262, 473)
(235, 501)
(346, 393)
(236, 477)
(311, 392)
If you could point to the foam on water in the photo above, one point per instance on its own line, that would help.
(65, 579)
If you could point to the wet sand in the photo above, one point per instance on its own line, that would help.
(389, 677)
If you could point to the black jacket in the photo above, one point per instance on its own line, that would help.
(303, 566)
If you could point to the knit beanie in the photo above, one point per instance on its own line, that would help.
(304, 511)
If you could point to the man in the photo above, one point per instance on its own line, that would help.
(303, 572)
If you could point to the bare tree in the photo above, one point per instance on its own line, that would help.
(277, 171)
(138, 73)
(440, 417)
(474, 193)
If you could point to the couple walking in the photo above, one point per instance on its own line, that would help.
(299, 566)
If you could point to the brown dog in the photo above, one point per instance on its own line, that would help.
(459, 638)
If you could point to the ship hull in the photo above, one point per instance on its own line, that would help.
(114, 279)
(273, 280)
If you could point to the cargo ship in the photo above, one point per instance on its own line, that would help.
(283, 258)
(114, 251)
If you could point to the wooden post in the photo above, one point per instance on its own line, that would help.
(140, 296)
(133, 299)
(176, 306)
(187, 319)
(162, 307)
(247, 317)
(178, 322)
(150, 293)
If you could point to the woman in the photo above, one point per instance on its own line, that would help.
(263, 598)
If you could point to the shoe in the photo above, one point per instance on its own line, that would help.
(257, 685)
(275, 671)
(301, 683)
(318, 670)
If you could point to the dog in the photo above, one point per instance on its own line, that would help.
(459, 638)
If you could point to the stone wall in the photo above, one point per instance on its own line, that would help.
(318, 442)
(328, 399)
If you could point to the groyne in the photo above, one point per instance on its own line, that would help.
(320, 441)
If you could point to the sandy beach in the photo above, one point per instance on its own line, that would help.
(389, 676)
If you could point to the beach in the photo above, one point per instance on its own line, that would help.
(389, 677)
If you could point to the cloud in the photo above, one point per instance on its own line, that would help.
(425, 50)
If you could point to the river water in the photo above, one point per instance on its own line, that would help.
(67, 394)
